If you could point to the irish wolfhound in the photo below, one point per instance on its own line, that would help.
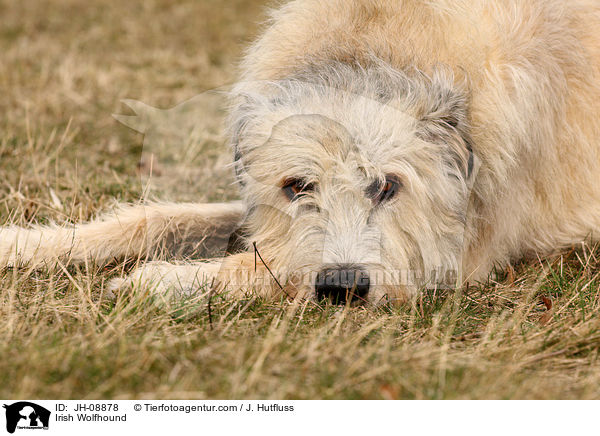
(382, 146)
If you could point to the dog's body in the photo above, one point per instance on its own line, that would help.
(389, 135)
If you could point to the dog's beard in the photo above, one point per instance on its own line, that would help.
(307, 246)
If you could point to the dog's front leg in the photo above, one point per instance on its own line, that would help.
(237, 275)
(169, 280)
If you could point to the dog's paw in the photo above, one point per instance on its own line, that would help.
(166, 280)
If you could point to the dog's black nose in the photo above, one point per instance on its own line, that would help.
(341, 283)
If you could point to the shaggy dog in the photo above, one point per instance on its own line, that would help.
(382, 146)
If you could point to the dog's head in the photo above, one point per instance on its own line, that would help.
(357, 179)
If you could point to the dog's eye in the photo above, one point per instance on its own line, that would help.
(380, 193)
(295, 188)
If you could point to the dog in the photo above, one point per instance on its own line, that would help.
(381, 146)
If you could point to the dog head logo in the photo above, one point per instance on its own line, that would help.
(26, 415)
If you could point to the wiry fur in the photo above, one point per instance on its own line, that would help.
(486, 110)
(142, 230)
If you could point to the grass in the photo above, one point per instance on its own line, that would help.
(534, 332)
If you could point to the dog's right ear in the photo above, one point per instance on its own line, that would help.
(240, 118)
(251, 101)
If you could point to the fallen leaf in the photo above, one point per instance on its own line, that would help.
(547, 302)
(388, 392)
(546, 316)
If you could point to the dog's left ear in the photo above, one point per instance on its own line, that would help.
(444, 120)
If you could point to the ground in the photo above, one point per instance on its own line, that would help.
(532, 332)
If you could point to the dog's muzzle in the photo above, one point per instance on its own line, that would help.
(340, 283)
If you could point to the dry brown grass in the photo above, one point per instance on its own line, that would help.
(65, 67)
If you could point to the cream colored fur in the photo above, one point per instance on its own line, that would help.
(343, 93)
(127, 231)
